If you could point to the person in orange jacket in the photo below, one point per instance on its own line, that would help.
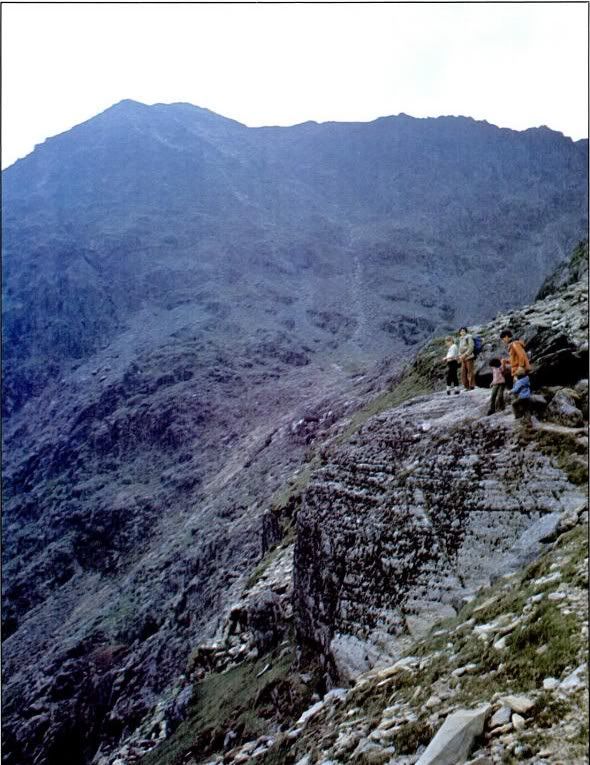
(516, 352)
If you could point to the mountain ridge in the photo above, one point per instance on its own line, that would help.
(130, 103)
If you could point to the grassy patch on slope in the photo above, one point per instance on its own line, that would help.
(236, 700)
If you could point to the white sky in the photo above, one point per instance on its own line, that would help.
(516, 65)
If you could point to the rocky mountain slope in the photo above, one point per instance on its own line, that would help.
(427, 573)
(345, 237)
(132, 547)
(191, 308)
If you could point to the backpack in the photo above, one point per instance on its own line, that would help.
(477, 345)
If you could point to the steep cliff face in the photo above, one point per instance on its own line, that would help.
(126, 540)
(504, 681)
(430, 500)
(425, 505)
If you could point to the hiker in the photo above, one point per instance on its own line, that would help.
(467, 359)
(518, 357)
(452, 362)
(498, 387)
(522, 390)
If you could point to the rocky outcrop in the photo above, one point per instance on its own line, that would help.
(418, 509)
(431, 499)
(257, 632)
(423, 506)
(505, 680)
(564, 409)
(555, 333)
(455, 738)
(570, 271)
(140, 521)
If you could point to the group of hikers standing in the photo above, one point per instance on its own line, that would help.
(511, 372)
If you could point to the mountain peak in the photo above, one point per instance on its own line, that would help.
(125, 106)
(129, 106)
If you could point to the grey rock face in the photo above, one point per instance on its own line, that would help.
(424, 505)
(501, 717)
(71, 522)
(266, 620)
(430, 500)
(271, 531)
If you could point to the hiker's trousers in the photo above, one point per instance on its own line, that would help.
(468, 373)
(452, 378)
(497, 400)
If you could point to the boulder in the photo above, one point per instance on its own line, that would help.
(574, 680)
(555, 358)
(311, 712)
(336, 695)
(501, 717)
(518, 703)
(564, 410)
(454, 740)
(371, 753)
(518, 721)
(265, 619)
(581, 389)
(352, 656)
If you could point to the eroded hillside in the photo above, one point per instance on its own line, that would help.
(430, 565)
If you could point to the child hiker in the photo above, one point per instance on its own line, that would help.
(498, 386)
(452, 362)
(522, 390)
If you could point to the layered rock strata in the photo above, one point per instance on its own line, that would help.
(426, 504)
